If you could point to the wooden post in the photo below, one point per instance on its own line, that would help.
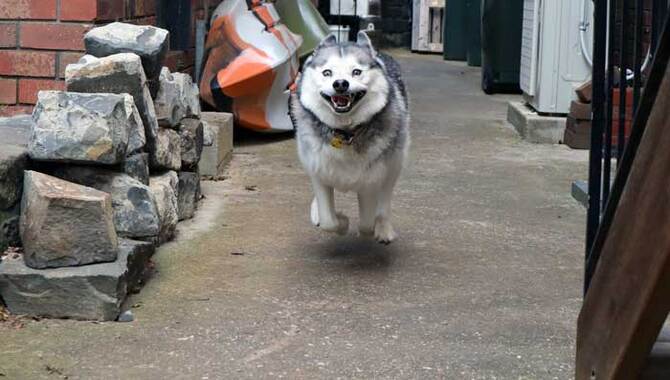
(629, 296)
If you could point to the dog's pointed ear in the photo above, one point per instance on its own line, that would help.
(329, 40)
(363, 40)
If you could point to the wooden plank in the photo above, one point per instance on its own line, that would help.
(427, 24)
(629, 296)
(416, 25)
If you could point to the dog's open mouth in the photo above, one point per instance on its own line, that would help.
(342, 103)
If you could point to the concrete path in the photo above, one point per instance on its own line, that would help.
(484, 283)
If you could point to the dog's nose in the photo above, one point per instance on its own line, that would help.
(341, 85)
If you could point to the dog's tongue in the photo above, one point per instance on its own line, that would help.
(341, 100)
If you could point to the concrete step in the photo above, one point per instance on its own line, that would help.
(218, 149)
(534, 127)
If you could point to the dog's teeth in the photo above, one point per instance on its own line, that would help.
(340, 100)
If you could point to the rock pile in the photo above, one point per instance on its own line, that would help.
(13, 161)
(112, 171)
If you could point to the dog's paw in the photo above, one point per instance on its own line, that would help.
(339, 226)
(314, 213)
(384, 232)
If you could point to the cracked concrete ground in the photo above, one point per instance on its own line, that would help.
(484, 283)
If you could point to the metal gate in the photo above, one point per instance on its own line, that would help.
(626, 34)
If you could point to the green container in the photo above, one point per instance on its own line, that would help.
(301, 17)
(474, 32)
(455, 32)
(502, 23)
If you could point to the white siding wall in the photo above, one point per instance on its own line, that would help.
(529, 47)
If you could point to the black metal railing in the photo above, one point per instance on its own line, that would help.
(626, 37)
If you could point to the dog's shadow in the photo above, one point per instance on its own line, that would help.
(353, 253)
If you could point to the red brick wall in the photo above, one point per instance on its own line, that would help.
(39, 38)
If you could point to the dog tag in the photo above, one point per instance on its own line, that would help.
(336, 142)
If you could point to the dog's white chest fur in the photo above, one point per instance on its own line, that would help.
(342, 168)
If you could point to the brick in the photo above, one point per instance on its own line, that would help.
(28, 9)
(6, 111)
(91, 10)
(57, 36)
(65, 58)
(27, 63)
(28, 88)
(7, 91)
(8, 34)
(616, 95)
(78, 10)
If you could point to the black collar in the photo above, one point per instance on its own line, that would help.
(342, 137)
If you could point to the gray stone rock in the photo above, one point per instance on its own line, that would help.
(13, 160)
(86, 128)
(137, 166)
(65, 224)
(89, 292)
(15, 130)
(167, 148)
(192, 139)
(207, 134)
(189, 194)
(9, 228)
(116, 74)
(216, 155)
(178, 98)
(165, 188)
(149, 42)
(154, 85)
(135, 211)
(14, 133)
(137, 139)
(126, 316)
(139, 253)
(16, 121)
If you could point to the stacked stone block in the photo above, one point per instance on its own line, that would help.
(110, 182)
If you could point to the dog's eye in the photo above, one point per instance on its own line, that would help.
(356, 72)
(327, 73)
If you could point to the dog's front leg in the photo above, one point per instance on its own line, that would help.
(384, 232)
(367, 208)
(324, 202)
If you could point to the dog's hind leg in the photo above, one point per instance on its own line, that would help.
(367, 208)
(314, 213)
(328, 219)
(384, 232)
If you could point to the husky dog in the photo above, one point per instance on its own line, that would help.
(351, 115)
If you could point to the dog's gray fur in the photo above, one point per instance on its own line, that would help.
(379, 122)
